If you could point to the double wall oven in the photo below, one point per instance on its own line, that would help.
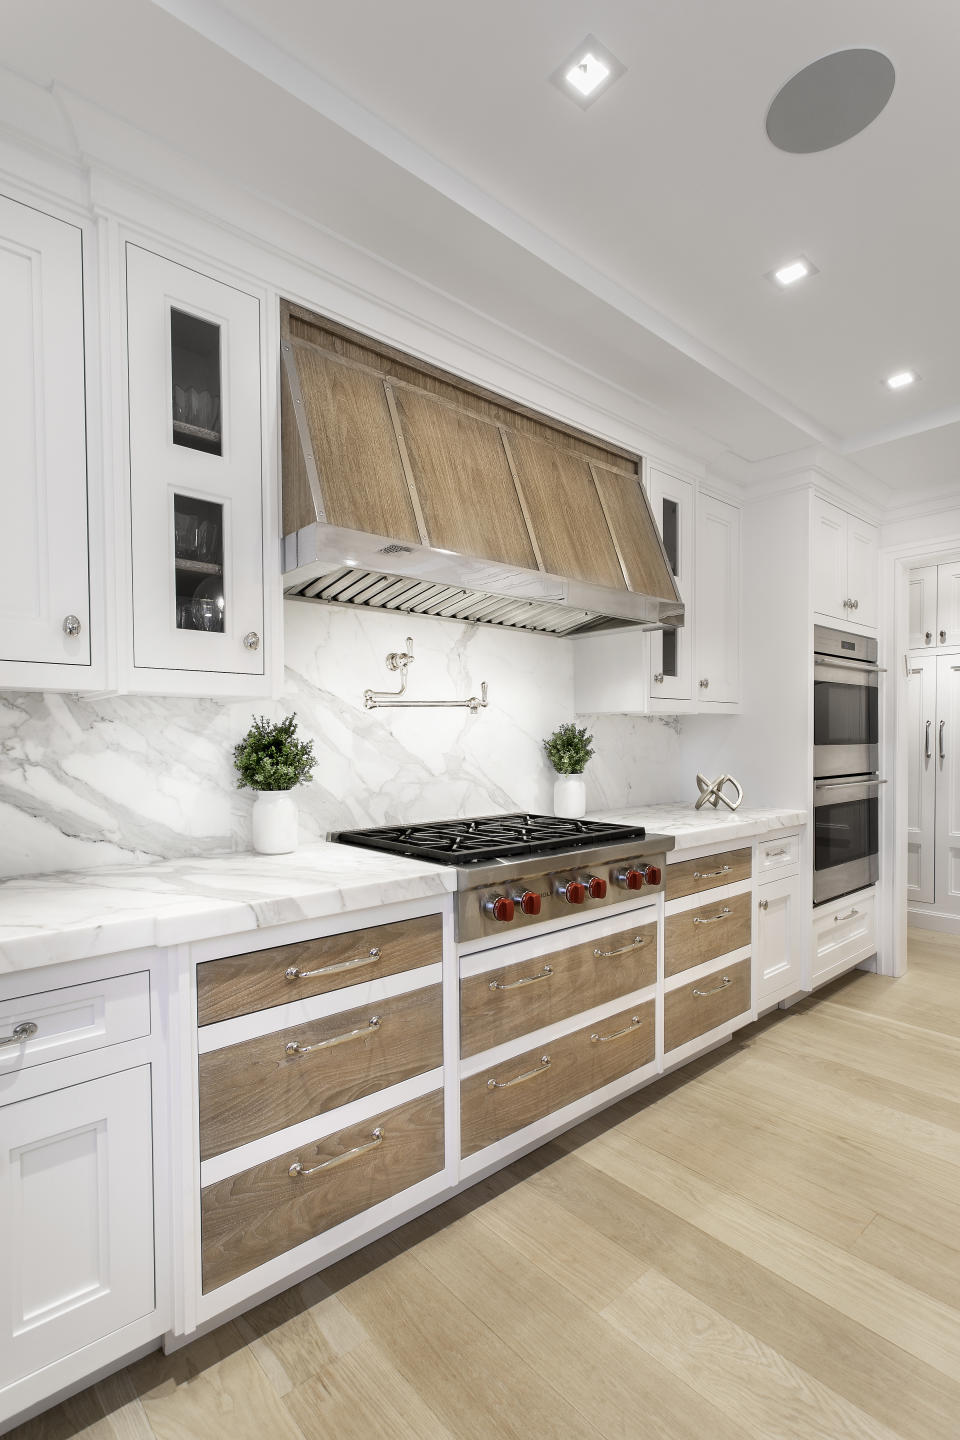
(846, 748)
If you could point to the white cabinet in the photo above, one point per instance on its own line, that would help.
(843, 934)
(948, 604)
(921, 777)
(717, 589)
(195, 476)
(44, 546)
(947, 761)
(777, 936)
(844, 565)
(76, 1216)
(922, 626)
(671, 651)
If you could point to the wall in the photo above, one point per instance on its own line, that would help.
(100, 781)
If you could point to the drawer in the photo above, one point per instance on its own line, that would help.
(777, 855)
(499, 1005)
(249, 1218)
(238, 984)
(536, 1083)
(259, 1086)
(844, 933)
(696, 936)
(693, 1009)
(73, 1020)
(689, 877)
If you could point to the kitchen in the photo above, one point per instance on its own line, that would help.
(406, 438)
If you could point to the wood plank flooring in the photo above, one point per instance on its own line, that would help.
(763, 1247)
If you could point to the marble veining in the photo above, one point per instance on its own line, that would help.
(691, 827)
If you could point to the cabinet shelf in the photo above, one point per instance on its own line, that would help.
(196, 432)
(199, 567)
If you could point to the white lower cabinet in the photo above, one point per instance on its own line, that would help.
(777, 952)
(76, 1216)
(922, 770)
(844, 933)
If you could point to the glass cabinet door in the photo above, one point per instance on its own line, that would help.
(195, 470)
(672, 501)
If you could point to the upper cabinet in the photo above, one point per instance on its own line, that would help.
(45, 610)
(196, 483)
(934, 606)
(717, 668)
(844, 565)
(671, 651)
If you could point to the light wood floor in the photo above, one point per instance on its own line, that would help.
(767, 1248)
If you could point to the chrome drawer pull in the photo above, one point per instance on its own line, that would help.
(21, 1033)
(544, 974)
(926, 740)
(627, 1030)
(636, 944)
(293, 1047)
(294, 974)
(519, 1079)
(712, 874)
(775, 854)
(376, 1139)
(709, 919)
(717, 988)
(849, 916)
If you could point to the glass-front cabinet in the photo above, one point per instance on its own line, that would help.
(671, 652)
(195, 471)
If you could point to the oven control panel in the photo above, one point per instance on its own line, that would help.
(504, 905)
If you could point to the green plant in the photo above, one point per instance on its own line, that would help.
(270, 757)
(569, 748)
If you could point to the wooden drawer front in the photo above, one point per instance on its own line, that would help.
(258, 1086)
(778, 855)
(844, 933)
(251, 1217)
(694, 1009)
(73, 1020)
(541, 991)
(241, 983)
(579, 1064)
(689, 877)
(696, 936)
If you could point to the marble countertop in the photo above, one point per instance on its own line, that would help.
(692, 828)
(47, 919)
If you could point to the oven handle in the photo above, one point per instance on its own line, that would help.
(862, 667)
(845, 784)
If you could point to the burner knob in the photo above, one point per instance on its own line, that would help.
(596, 888)
(501, 908)
(574, 892)
(632, 879)
(529, 902)
(653, 874)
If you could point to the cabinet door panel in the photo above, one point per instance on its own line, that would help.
(717, 602)
(829, 561)
(948, 605)
(76, 1216)
(862, 582)
(671, 652)
(921, 776)
(195, 483)
(923, 607)
(43, 540)
(947, 864)
(777, 956)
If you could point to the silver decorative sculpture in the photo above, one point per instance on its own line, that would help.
(711, 793)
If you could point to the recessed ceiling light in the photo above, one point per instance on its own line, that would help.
(791, 271)
(901, 379)
(589, 71)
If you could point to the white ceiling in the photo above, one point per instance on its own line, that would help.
(633, 236)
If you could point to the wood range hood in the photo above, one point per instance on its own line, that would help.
(406, 488)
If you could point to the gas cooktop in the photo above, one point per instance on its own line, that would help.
(490, 837)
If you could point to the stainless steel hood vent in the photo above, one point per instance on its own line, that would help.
(406, 489)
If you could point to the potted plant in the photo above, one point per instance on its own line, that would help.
(568, 750)
(271, 760)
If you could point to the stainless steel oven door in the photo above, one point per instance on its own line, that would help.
(845, 717)
(845, 836)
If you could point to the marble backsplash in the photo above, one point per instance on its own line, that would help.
(133, 778)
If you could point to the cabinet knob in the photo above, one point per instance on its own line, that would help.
(927, 637)
(854, 604)
(71, 625)
(704, 684)
(764, 904)
(251, 640)
(658, 678)
(943, 637)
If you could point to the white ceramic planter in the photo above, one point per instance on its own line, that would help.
(274, 822)
(569, 797)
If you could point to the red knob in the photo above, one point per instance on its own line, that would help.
(633, 879)
(653, 875)
(596, 887)
(530, 902)
(574, 893)
(502, 908)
